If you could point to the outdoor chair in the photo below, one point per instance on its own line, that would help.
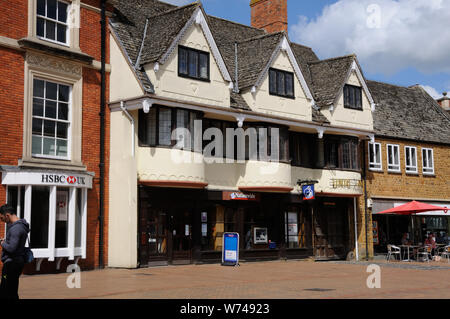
(393, 250)
(446, 253)
(425, 253)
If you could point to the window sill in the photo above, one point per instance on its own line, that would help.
(56, 49)
(376, 170)
(194, 78)
(395, 172)
(284, 96)
(52, 164)
(412, 173)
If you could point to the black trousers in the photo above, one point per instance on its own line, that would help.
(9, 287)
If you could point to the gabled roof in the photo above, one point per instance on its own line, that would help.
(408, 113)
(254, 55)
(147, 29)
(159, 36)
(328, 77)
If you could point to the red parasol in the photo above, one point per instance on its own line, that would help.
(413, 207)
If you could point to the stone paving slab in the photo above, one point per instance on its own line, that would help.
(256, 280)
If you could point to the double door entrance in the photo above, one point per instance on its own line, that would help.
(165, 235)
(330, 229)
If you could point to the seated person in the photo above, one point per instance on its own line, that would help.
(405, 240)
(431, 242)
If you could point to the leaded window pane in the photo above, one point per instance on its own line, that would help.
(203, 65)
(193, 64)
(165, 126)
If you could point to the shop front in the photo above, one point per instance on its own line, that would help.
(54, 203)
(179, 226)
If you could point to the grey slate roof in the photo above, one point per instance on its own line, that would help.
(254, 46)
(408, 113)
(327, 78)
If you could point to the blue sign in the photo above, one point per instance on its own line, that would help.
(308, 192)
(230, 249)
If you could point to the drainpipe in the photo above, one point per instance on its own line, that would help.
(102, 131)
(356, 229)
(124, 110)
(365, 197)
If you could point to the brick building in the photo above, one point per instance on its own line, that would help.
(409, 160)
(50, 128)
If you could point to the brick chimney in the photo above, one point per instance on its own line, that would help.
(270, 15)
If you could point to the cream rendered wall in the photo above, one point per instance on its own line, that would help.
(168, 84)
(355, 119)
(165, 164)
(123, 213)
(262, 101)
(231, 176)
(324, 177)
(123, 83)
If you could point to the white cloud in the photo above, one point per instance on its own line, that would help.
(432, 91)
(178, 2)
(408, 33)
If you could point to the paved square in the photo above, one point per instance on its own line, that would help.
(257, 280)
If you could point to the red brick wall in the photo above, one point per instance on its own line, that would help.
(270, 15)
(11, 117)
(14, 18)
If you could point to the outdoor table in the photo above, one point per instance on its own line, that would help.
(407, 248)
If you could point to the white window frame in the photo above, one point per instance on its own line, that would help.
(426, 158)
(393, 167)
(377, 165)
(69, 122)
(410, 168)
(67, 25)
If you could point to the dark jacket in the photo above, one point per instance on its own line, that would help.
(14, 244)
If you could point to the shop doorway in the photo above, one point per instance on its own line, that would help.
(330, 229)
(180, 236)
(154, 237)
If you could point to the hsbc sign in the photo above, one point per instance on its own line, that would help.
(46, 178)
(63, 179)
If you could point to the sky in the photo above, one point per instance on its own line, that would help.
(402, 42)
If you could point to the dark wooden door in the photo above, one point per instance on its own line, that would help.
(154, 239)
(329, 226)
(181, 235)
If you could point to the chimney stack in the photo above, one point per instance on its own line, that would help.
(270, 15)
(444, 102)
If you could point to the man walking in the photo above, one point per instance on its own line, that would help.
(13, 247)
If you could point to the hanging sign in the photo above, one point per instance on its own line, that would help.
(230, 249)
(308, 192)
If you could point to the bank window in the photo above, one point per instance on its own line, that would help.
(411, 159)
(302, 149)
(375, 163)
(51, 119)
(427, 161)
(352, 97)
(52, 20)
(393, 154)
(281, 83)
(193, 63)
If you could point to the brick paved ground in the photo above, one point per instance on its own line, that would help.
(261, 280)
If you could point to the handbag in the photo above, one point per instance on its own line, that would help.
(28, 253)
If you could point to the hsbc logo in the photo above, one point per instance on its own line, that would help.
(62, 179)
